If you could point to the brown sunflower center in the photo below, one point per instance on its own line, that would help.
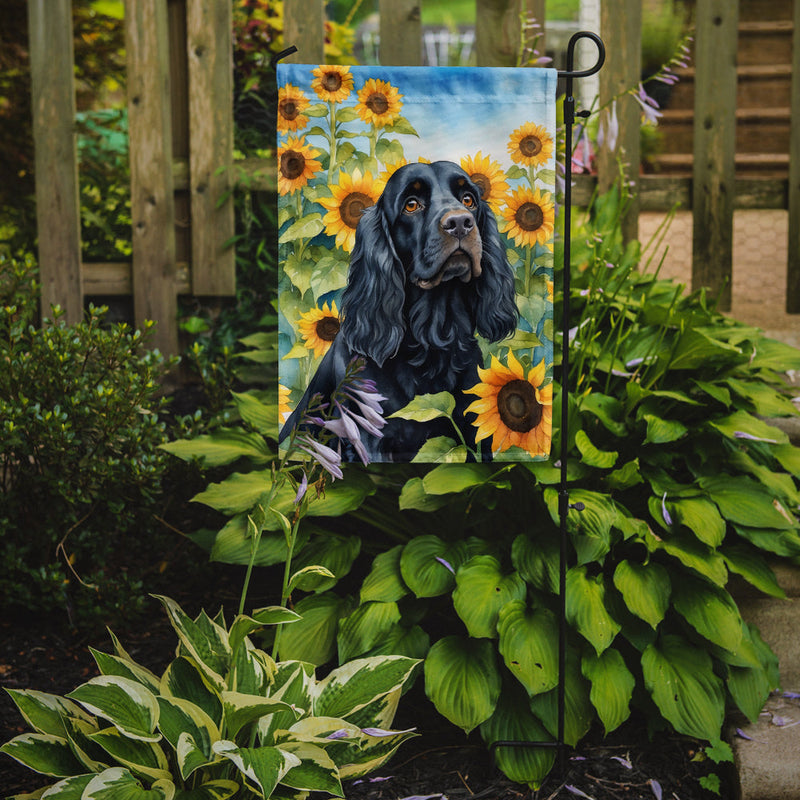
(332, 81)
(288, 109)
(377, 103)
(529, 216)
(518, 407)
(292, 164)
(353, 206)
(327, 328)
(483, 183)
(530, 146)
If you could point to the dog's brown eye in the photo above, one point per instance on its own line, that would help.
(412, 205)
(469, 200)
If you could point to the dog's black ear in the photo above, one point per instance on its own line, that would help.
(496, 311)
(372, 303)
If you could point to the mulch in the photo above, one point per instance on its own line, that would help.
(441, 762)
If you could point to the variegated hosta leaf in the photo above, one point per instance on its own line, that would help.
(125, 668)
(244, 625)
(242, 709)
(68, 789)
(183, 679)
(371, 754)
(646, 589)
(45, 712)
(683, 685)
(117, 783)
(512, 721)
(358, 683)
(252, 670)
(145, 759)
(262, 766)
(179, 718)
(204, 641)
(44, 753)
(126, 704)
(481, 591)
(462, 680)
(612, 686)
(78, 733)
(586, 608)
(316, 771)
(294, 685)
(529, 645)
(212, 790)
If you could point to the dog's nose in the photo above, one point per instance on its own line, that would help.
(458, 223)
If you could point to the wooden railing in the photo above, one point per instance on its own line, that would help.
(181, 133)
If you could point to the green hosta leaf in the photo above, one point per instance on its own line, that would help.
(663, 431)
(316, 772)
(767, 401)
(701, 517)
(145, 759)
(591, 455)
(182, 679)
(44, 753)
(608, 410)
(313, 638)
(428, 565)
(645, 588)
(683, 685)
(223, 446)
(481, 591)
(586, 608)
(441, 450)
(413, 496)
(334, 553)
(263, 766)
(462, 680)
(242, 709)
(243, 625)
(696, 349)
(612, 687)
(127, 705)
(385, 582)
(365, 627)
(117, 783)
(745, 502)
(537, 561)
(259, 415)
(233, 544)
(294, 684)
(453, 478)
(693, 554)
(399, 640)
(597, 517)
(578, 710)
(45, 712)
(749, 687)
(237, 493)
(512, 721)
(774, 355)
(753, 567)
(529, 645)
(719, 393)
(740, 422)
(625, 477)
(357, 684)
(425, 407)
(709, 610)
(782, 543)
(788, 455)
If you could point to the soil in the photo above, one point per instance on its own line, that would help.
(441, 762)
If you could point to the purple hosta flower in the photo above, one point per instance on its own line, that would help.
(301, 489)
(447, 564)
(649, 106)
(751, 437)
(325, 456)
(376, 779)
(342, 733)
(664, 512)
(577, 792)
(791, 695)
(368, 424)
(655, 787)
(742, 735)
(608, 131)
(582, 154)
(624, 761)
(380, 732)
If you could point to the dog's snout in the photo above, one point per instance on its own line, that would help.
(458, 223)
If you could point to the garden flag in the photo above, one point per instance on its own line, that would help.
(416, 215)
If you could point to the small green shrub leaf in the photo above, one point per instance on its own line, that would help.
(385, 581)
(462, 680)
(481, 591)
(512, 721)
(625, 477)
(126, 704)
(749, 688)
(334, 554)
(701, 517)
(425, 407)
(608, 410)
(612, 687)
(586, 608)
(529, 645)
(682, 683)
(645, 588)
(44, 753)
(692, 553)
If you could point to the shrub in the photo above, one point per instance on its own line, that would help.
(79, 429)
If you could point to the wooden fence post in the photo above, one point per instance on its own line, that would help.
(717, 24)
(400, 32)
(793, 266)
(621, 29)
(56, 161)
(210, 54)
(304, 27)
(152, 200)
(498, 30)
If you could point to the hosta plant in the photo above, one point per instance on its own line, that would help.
(224, 720)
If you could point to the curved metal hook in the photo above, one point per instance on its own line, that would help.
(273, 62)
(569, 72)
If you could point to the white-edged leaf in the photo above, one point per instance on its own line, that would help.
(44, 753)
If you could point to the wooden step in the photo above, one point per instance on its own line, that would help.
(754, 10)
(765, 42)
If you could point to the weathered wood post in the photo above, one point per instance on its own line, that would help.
(498, 30)
(793, 266)
(56, 160)
(717, 23)
(400, 32)
(304, 27)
